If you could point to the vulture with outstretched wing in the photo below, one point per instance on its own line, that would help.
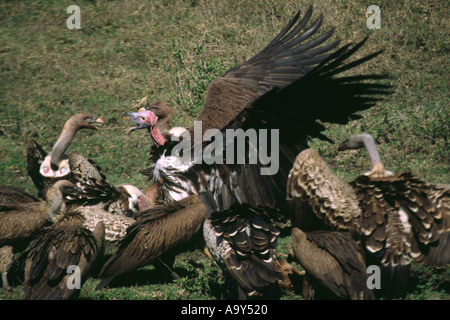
(278, 98)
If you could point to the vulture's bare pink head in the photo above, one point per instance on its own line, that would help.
(147, 119)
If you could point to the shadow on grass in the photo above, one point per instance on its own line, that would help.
(188, 281)
(146, 276)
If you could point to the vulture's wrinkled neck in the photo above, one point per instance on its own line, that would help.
(55, 205)
(369, 143)
(157, 137)
(165, 114)
(63, 142)
(153, 193)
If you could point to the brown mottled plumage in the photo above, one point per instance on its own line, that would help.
(115, 225)
(321, 202)
(396, 218)
(21, 221)
(63, 245)
(333, 202)
(409, 215)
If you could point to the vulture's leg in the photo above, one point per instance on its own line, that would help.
(164, 264)
(6, 259)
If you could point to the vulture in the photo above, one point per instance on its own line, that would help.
(45, 169)
(420, 211)
(21, 218)
(165, 117)
(335, 265)
(56, 164)
(156, 234)
(266, 109)
(9, 195)
(395, 219)
(60, 257)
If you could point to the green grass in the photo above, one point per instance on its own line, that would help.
(171, 50)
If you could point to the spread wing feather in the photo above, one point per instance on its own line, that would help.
(285, 59)
(156, 231)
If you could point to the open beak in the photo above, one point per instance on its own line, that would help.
(143, 118)
(95, 122)
(133, 116)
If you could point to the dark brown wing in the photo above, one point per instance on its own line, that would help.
(87, 176)
(95, 187)
(289, 115)
(156, 231)
(35, 157)
(287, 58)
(52, 253)
(10, 194)
(20, 222)
(334, 260)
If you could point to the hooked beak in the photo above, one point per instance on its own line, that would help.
(143, 118)
(78, 191)
(72, 193)
(95, 122)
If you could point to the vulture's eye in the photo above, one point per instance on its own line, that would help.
(143, 118)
